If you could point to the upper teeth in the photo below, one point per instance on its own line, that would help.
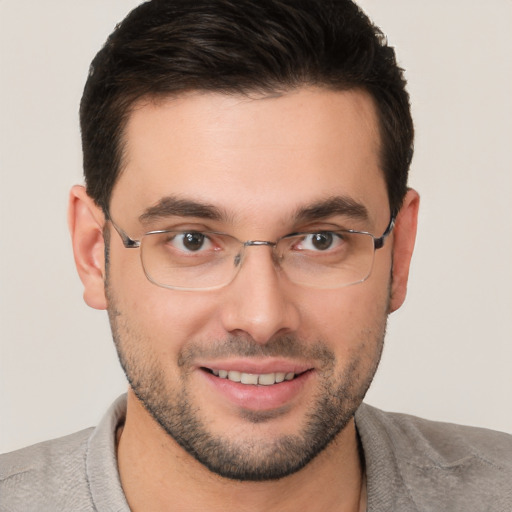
(264, 379)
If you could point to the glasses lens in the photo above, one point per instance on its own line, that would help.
(327, 259)
(189, 259)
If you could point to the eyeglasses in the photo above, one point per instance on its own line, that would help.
(206, 260)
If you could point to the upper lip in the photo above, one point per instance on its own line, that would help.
(254, 366)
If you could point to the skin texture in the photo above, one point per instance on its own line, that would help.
(257, 160)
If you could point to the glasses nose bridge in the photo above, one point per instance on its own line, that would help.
(248, 243)
(258, 243)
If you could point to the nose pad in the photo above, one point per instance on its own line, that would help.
(256, 302)
(238, 259)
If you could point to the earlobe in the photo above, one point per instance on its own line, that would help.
(404, 236)
(86, 220)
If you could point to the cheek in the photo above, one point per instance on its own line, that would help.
(166, 318)
(346, 318)
(182, 316)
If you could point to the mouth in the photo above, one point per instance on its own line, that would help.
(254, 379)
(257, 386)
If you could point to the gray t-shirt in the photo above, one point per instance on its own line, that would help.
(411, 465)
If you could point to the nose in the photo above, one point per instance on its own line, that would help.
(257, 303)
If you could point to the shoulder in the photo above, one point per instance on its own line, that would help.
(46, 475)
(457, 467)
(439, 442)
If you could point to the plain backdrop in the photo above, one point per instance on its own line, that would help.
(448, 353)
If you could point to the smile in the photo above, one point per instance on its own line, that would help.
(257, 385)
(254, 379)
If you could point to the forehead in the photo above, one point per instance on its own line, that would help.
(252, 155)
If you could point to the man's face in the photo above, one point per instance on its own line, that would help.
(258, 162)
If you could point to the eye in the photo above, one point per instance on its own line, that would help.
(192, 241)
(322, 241)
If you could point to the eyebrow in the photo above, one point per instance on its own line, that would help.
(173, 206)
(336, 205)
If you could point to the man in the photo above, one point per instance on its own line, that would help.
(247, 225)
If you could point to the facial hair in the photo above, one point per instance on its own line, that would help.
(172, 407)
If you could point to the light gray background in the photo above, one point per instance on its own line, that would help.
(449, 350)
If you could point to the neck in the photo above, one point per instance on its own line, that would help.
(156, 472)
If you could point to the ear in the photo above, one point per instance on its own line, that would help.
(86, 221)
(404, 236)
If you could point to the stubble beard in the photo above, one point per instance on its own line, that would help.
(334, 405)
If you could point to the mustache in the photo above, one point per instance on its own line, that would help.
(287, 346)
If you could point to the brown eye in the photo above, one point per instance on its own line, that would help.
(193, 241)
(322, 241)
(189, 241)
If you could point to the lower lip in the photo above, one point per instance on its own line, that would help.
(257, 397)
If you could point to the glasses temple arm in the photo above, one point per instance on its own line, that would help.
(128, 242)
(379, 242)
